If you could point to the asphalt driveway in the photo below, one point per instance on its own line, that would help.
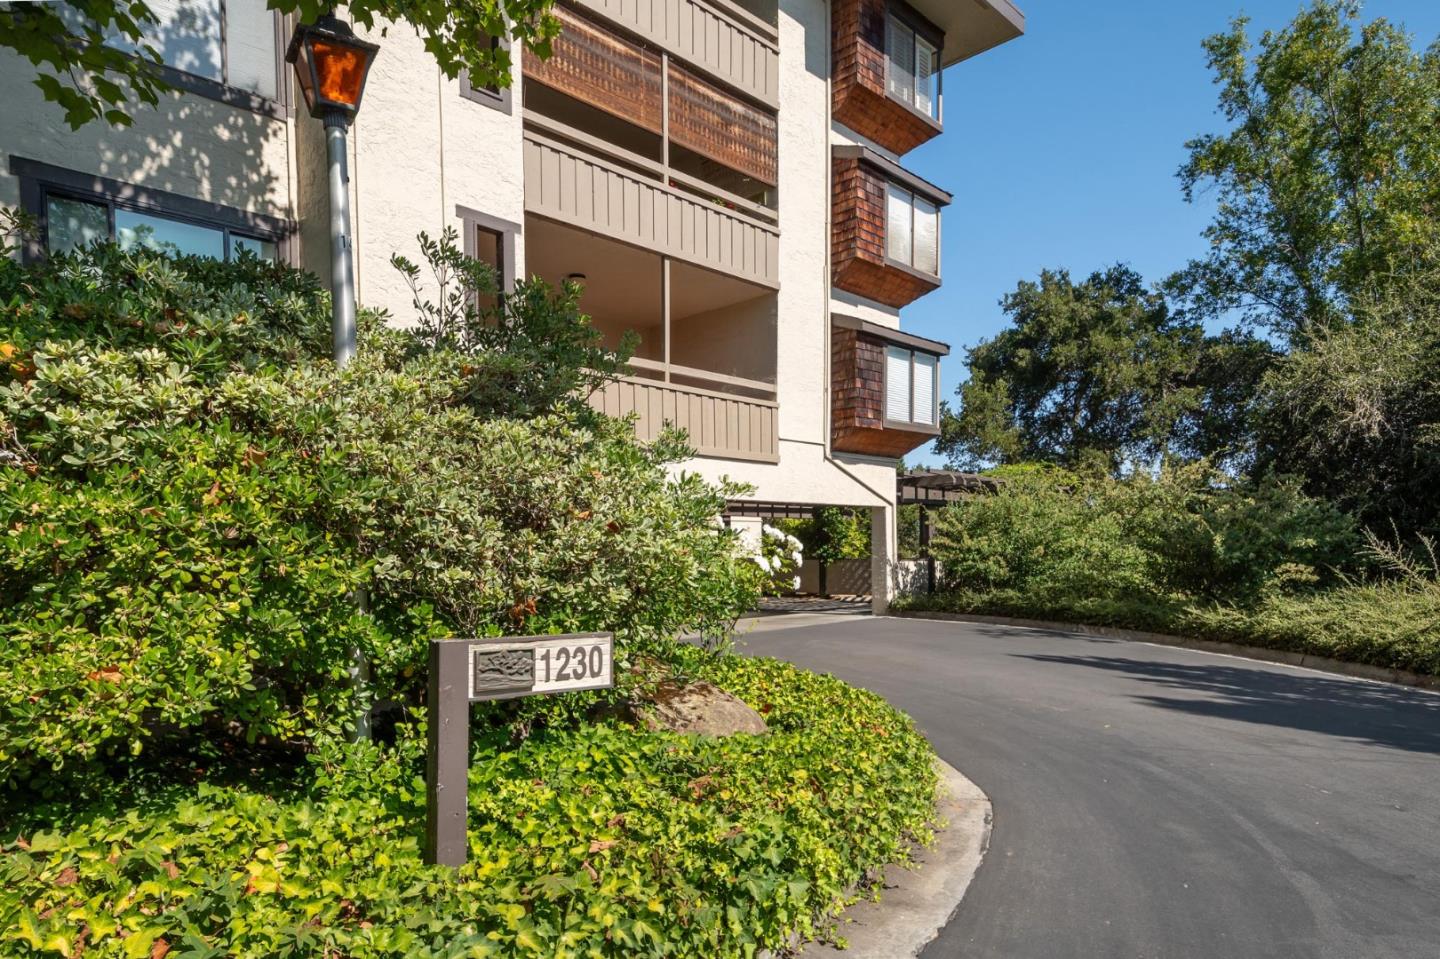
(1159, 803)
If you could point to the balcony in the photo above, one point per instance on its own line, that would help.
(706, 349)
(654, 113)
(884, 389)
(738, 46)
(885, 229)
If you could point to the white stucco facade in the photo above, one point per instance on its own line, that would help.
(426, 155)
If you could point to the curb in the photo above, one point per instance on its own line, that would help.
(1324, 664)
(918, 900)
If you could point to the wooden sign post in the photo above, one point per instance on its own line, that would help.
(464, 671)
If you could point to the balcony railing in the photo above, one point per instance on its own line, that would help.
(719, 423)
(716, 36)
(610, 73)
(629, 201)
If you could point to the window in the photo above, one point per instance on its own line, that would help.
(71, 223)
(910, 386)
(912, 229)
(75, 209)
(490, 240)
(914, 76)
(492, 95)
(232, 44)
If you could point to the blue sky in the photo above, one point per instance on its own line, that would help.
(1061, 149)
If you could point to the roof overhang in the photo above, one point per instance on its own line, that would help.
(894, 171)
(971, 26)
(908, 340)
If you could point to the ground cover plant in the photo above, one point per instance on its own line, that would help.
(600, 840)
(191, 500)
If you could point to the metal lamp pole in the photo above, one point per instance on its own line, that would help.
(331, 65)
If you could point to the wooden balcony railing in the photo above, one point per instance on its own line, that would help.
(717, 36)
(610, 73)
(583, 188)
(719, 425)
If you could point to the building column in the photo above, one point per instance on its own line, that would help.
(882, 558)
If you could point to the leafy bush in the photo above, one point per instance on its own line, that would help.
(599, 841)
(192, 493)
(1059, 537)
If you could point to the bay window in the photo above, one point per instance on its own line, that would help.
(910, 386)
(913, 72)
(912, 229)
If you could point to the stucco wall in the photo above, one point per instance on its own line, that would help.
(435, 150)
(738, 340)
(187, 144)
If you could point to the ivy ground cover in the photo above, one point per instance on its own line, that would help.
(599, 840)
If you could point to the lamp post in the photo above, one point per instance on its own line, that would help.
(331, 65)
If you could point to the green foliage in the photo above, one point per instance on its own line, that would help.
(191, 491)
(600, 841)
(832, 535)
(92, 56)
(1099, 373)
(1064, 539)
(529, 351)
(1324, 184)
(1357, 414)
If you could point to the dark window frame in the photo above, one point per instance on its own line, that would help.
(507, 233)
(912, 425)
(909, 266)
(927, 31)
(496, 98)
(40, 181)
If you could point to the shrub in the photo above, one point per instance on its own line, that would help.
(192, 493)
(1058, 537)
(599, 841)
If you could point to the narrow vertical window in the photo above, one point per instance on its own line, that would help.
(923, 390)
(927, 236)
(898, 234)
(902, 60)
(897, 384)
(489, 249)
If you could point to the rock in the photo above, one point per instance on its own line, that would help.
(700, 708)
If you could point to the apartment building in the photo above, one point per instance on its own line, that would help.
(725, 177)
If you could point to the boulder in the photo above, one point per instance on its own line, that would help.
(700, 708)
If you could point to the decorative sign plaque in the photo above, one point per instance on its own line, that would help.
(464, 671)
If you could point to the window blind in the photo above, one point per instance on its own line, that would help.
(250, 44)
(897, 223)
(902, 60)
(897, 383)
(924, 392)
(925, 62)
(927, 236)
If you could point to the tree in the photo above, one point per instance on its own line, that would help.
(1326, 182)
(1357, 413)
(1100, 372)
(93, 58)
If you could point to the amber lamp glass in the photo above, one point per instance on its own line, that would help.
(331, 64)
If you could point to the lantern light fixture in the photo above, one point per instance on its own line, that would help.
(331, 65)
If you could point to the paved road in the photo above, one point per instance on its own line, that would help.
(1157, 803)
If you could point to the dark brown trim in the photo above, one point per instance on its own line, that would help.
(222, 93)
(894, 172)
(905, 426)
(919, 274)
(896, 337)
(38, 180)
